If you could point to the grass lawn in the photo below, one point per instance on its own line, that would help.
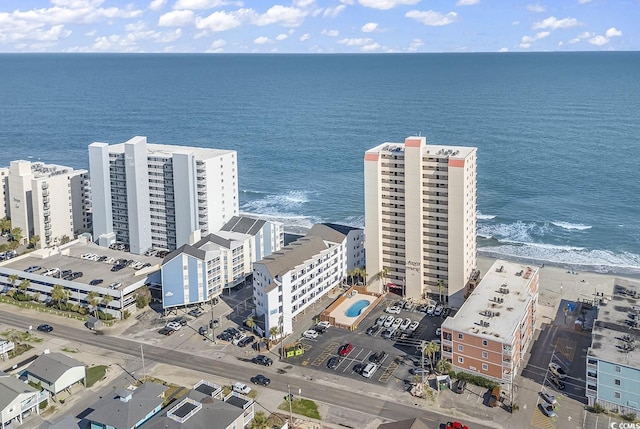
(304, 407)
(95, 373)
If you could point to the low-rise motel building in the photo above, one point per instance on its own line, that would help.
(492, 331)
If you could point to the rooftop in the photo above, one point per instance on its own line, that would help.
(293, 255)
(331, 232)
(244, 225)
(496, 306)
(51, 366)
(164, 150)
(616, 332)
(437, 151)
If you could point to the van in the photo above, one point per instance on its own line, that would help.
(494, 400)
(369, 370)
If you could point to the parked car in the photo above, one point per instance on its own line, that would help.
(181, 320)
(33, 269)
(392, 310)
(75, 275)
(438, 311)
(310, 334)
(95, 282)
(261, 380)
(430, 309)
(324, 323)
(419, 371)
(357, 368)
(438, 332)
(195, 312)
(557, 370)
(345, 349)
(320, 329)
(333, 362)
(547, 409)
(377, 358)
(372, 330)
(369, 370)
(389, 321)
(405, 324)
(387, 333)
(236, 341)
(246, 341)
(555, 381)
(414, 325)
(380, 320)
(548, 397)
(117, 267)
(241, 388)
(166, 331)
(446, 312)
(262, 360)
(203, 330)
(45, 328)
(460, 386)
(396, 323)
(494, 399)
(174, 325)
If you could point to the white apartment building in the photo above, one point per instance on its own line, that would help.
(349, 237)
(46, 200)
(195, 274)
(420, 218)
(158, 196)
(287, 282)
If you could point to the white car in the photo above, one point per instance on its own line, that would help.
(324, 324)
(389, 321)
(239, 338)
(392, 310)
(396, 323)
(241, 388)
(414, 326)
(405, 324)
(438, 332)
(557, 370)
(174, 325)
(311, 333)
(438, 311)
(380, 320)
(430, 309)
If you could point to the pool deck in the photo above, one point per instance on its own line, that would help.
(335, 313)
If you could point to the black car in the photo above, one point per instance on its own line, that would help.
(203, 330)
(195, 312)
(262, 360)
(224, 336)
(33, 269)
(166, 331)
(446, 312)
(377, 358)
(333, 362)
(556, 382)
(45, 328)
(460, 386)
(320, 329)
(372, 330)
(246, 341)
(95, 282)
(261, 380)
(117, 267)
(359, 367)
(65, 273)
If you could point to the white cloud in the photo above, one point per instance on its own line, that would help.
(542, 34)
(91, 33)
(197, 4)
(581, 36)
(370, 47)
(157, 4)
(386, 4)
(554, 23)
(282, 36)
(432, 18)
(176, 18)
(330, 33)
(524, 45)
(283, 15)
(261, 40)
(77, 4)
(369, 27)
(613, 32)
(305, 37)
(356, 41)
(584, 1)
(503, 50)
(332, 12)
(303, 3)
(528, 40)
(467, 2)
(414, 45)
(217, 46)
(536, 8)
(599, 40)
(222, 21)
(349, 2)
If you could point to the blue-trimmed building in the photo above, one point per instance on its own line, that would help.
(613, 360)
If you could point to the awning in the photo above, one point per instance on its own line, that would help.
(393, 286)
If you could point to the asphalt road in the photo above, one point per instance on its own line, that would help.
(371, 405)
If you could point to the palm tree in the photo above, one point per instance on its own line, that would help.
(64, 239)
(441, 288)
(5, 224)
(273, 332)
(430, 350)
(93, 300)
(33, 241)
(16, 234)
(13, 278)
(250, 322)
(444, 366)
(58, 294)
(24, 285)
(106, 299)
(381, 277)
(260, 421)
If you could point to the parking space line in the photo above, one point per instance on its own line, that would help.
(540, 421)
(386, 375)
(324, 354)
(566, 347)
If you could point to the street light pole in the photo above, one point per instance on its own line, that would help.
(291, 402)
(422, 346)
(212, 325)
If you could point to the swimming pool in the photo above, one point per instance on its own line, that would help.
(356, 308)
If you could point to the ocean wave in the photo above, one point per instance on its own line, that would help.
(571, 226)
(602, 261)
(481, 216)
(289, 220)
(517, 232)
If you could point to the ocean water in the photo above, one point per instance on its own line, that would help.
(557, 133)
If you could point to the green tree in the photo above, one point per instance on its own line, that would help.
(444, 366)
(58, 295)
(430, 350)
(16, 234)
(33, 241)
(64, 239)
(5, 224)
(24, 285)
(93, 298)
(13, 278)
(106, 299)
(382, 276)
(273, 333)
(260, 421)
(250, 322)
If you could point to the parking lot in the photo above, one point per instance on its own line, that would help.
(400, 354)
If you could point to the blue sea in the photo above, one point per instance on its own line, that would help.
(557, 133)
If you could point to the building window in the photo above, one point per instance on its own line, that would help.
(485, 342)
(485, 367)
(460, 336)
(460, 359)
(485, 355)
(617, 369)
(616, 395)
(617, 382)
(460, 348)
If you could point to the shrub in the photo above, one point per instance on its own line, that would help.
(43, 404)
(126, 314)
(476, 379)
(598, 409)
(628, 417)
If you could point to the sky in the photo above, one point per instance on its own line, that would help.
(318, 26)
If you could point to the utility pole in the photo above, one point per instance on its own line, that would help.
(422, 346)
(212, 325)
(144, 371)
(290, 402)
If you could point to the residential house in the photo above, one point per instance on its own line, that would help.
(17, 400)
(56, 372)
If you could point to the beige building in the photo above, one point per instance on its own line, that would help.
(492, 331)
(45, 200)
(420, 218)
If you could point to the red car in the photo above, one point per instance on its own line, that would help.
(345, 349)
(456, 425)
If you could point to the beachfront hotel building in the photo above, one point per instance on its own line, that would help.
(420, 219)
(613, 360)
(198, 273)
(490, 334)
(153, 196)
(46, 200)
(291, 280)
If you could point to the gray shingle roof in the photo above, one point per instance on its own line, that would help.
(327, 233)
(51, 366)
(293, 255)
(10, 388)
(244, 225)
(66, 422)
(124, 415)
(185, 248)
